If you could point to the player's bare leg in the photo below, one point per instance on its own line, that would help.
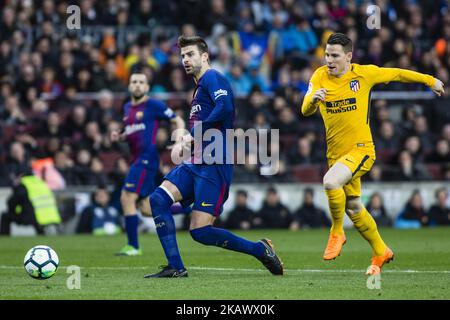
(144, 207)
(128, 202)
(367, 227)
(202, 231)
(334, 180)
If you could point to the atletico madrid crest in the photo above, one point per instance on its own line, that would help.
(354, 85)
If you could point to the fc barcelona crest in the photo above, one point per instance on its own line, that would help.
(139, 115)
(354, 85)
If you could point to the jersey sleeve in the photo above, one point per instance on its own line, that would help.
(162, 111)
(375, 75)
(220, 96)
(308, 108)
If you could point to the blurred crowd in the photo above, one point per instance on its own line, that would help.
(268, 50)
(274, 214)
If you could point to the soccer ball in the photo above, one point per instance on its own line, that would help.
(41, 262)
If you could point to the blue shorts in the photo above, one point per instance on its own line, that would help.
(140, 180)
(206, 186)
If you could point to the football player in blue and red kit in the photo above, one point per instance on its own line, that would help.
(141, 120)
(203, 183)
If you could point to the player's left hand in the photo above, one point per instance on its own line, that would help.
(438, 87)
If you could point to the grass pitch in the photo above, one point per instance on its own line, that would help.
(421, 269)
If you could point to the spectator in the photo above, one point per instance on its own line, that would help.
(301, 152)
(425, 136)
(99, 218)
(413, 215)
(64, 164)
(241, 216)
(17, 161)
(52, 127)
(31, 203)
(82, 169)
(308, 215)
(49, 84)
(76, 123)
(98, 175)
(376, 208)
(273, 213)
(408, 170)
(439, 213)
(386, 140)
(414, 146)
(104, 111)
(287, 122)
(441, 154)
(93, 138)
(27, 80)
(12, 114)
(238, 79)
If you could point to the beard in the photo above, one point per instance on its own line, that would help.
(138, 96)
(195, 70)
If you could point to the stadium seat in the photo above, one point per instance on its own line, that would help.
(287, 141)
(307, 173)
(435, 171)
(109, 159)
(385, 155)
(8, 133)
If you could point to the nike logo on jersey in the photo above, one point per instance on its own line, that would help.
(129, 185)
(349, 160)
(206, 204)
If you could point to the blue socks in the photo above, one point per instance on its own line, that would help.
(131, 226)
(160, 202)
(211, 236)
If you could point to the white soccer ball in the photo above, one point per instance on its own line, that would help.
(41, 262)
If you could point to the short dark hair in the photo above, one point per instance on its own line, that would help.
(343, 40)
(241, 192)
(272, 189)
(184, 41)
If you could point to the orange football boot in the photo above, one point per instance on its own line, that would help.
(379, 261)
(334, 246)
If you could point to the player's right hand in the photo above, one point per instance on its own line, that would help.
(319, 95)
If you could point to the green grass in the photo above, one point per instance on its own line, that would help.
(421, 269)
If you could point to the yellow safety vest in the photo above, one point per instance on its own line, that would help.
(42, 200)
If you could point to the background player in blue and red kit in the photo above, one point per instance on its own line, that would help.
(203, 183)
(141, 121)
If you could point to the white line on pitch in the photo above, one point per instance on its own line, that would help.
(257, 270)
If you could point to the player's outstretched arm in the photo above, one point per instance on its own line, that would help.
(384, 75)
